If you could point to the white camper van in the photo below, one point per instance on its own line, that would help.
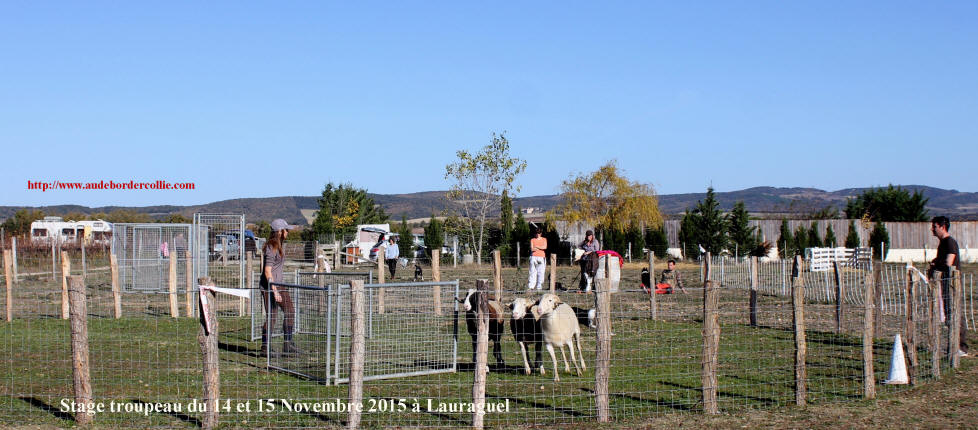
(53, 228)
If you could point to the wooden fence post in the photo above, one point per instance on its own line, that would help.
(497, 274)
(602, 365)
(839, 297)
(436, 276)
(79, 347)
(380, 280)
(8, 276)
(357, 352)
(13, 253)
(801, 346)
(116, 296)
(711, 337)
(553, 273)
(224, 250)
(65, 273)
(336, 255)
(954, 320)
(653, 300)
(935, 326)
(481, 367)
(910, 337)
(753, 291)
(207, 339)
(869, 377)
(172, 283)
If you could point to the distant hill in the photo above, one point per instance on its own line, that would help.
(760, 201)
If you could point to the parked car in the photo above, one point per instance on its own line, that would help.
(233, 245)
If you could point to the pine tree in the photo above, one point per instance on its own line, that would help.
(830, 240)
(613, 240)
(406, 243)
(888, 204)
(879, 237)
(688, 234)
(434, 235)
(801, 240)
(742, 234)
(637, 239)
(711, 224)
(786, 242)
(852, 238)
(657, 241)
(506, 226)
(521, 235)
(813, 240)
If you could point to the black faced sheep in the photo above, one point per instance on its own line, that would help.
(496, 324)
(526, 328)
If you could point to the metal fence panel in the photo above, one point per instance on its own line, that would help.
(407, 339)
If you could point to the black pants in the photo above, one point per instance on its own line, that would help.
(392, 266)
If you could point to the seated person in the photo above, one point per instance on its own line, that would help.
(672, 276)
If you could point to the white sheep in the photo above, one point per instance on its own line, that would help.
(560, 328)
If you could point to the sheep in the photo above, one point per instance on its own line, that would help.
(496, 324)
(525, 325)
(585, 317)
(560, 327)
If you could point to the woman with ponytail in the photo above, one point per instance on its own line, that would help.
(275, 297)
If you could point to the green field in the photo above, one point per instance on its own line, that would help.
(655, 371)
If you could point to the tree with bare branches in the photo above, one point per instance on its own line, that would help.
(478, 182)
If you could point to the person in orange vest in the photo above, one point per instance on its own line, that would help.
(538, 261)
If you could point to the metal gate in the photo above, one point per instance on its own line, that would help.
(407, 338)
(304, 318)
(143, 252)
(219, 245)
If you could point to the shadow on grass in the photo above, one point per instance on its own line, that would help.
(524, 402)
(238, 349)
(721, 393)
(656, 402)
(493, 368)
(180, 416)
(38, 403)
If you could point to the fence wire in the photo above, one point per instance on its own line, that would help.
(147, 362)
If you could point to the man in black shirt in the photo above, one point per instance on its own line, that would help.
(947, 257)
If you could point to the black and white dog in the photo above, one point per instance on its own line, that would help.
(418, 275)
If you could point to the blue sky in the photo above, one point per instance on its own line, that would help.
(254, 100)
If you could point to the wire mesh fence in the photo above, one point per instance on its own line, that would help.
(418, 361)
